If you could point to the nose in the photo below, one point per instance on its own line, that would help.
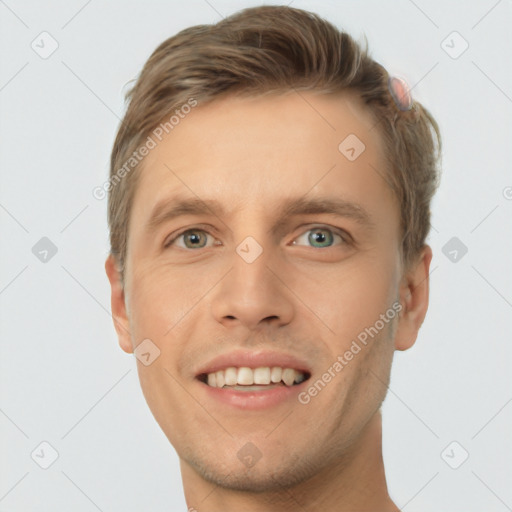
(254, 295)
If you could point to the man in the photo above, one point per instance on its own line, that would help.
(268, 209)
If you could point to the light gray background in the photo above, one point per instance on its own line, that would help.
(63, 378)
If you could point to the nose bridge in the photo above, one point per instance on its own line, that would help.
(250, 277)
(255, 251)
(250, 294)
(250, 267)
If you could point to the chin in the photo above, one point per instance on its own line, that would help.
(264, 476)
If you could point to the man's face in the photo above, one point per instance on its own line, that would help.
(298, 255)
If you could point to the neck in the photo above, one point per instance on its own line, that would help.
(356, 483)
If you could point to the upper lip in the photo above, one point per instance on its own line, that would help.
(253, 359)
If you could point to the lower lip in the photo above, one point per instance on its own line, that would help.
(254, 400)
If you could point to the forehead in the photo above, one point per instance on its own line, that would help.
(254, 152)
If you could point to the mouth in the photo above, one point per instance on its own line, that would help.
(253, 381)
(248, 379)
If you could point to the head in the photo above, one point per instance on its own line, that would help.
(269, 201)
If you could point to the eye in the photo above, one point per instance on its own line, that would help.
(319, 237)
(191, 239)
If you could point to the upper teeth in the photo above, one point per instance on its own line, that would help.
(248, 376)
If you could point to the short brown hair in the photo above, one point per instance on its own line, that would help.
(266, 49)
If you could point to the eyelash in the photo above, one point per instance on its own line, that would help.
(345, 239)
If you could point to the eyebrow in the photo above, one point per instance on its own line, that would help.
(173, 208)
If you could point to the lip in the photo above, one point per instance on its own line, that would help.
(253, 359)
(273, 396)
(254, 400)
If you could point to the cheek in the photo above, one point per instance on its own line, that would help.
(159, 300)
(174, 286)
(355, 296)
(170, 405)
(165, 307)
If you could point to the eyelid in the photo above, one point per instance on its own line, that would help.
(344, 235)
(171, 239)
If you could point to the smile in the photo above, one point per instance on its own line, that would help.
(253, 379)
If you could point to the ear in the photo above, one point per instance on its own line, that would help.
(414, 291)
(118, 305)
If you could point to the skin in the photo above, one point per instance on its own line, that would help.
(252, 154)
